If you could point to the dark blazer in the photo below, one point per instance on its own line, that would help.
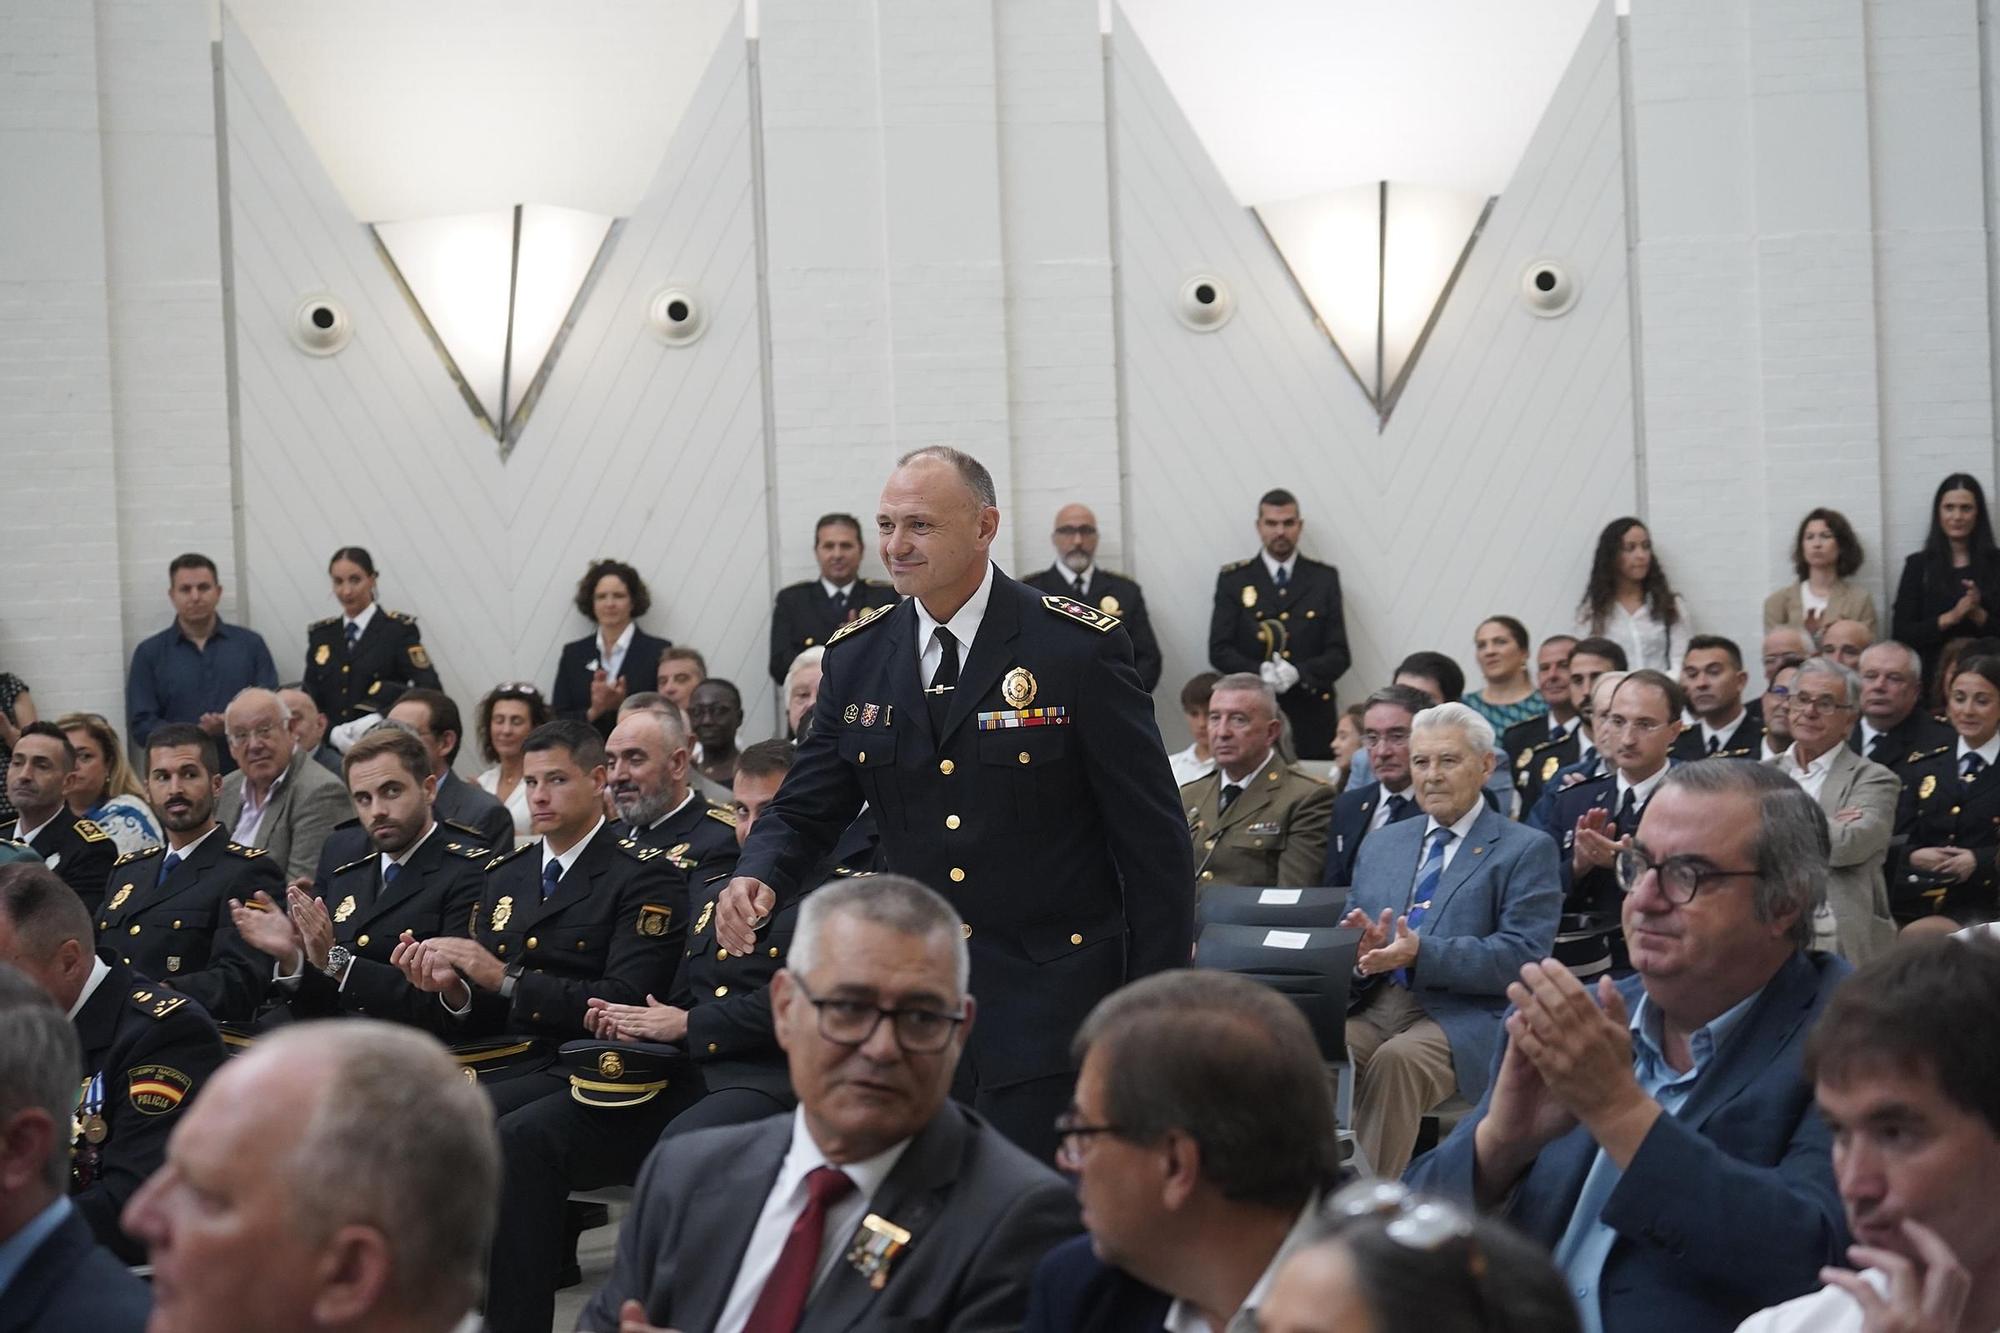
(1115, 595)
(180, 932)
(1729, 1206)
(1939, 809)
(70, 1284)
(1063, 846)
(640, 671)
(699, 838)
(1313, 630)
(1530, 749)
(387, 659)
(1926, 591)
(473, 809)
(1917, 735)
(1746, 742)
(77, 850)
(1597, 891)
(804, 617)
(1352, 812)
(980, 1213)
(1589, 768)
(1077, 1292)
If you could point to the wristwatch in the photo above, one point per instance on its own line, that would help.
(337, 959)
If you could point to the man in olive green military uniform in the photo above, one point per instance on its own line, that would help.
(1255, 819)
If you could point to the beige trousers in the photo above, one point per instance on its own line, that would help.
(1402, 1068)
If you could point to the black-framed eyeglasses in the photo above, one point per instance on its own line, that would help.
(1073, 1136)
(1681, 877)
(853, 1022)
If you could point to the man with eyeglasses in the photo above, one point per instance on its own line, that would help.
(278, 799)
(1387, 799)
(877, 1203)
(807, 614)
(1076, 574)
(1777, 721)
(1594, 820)
(1859, 799)
(1784, 646)
(1892, 730)
(1658, 1135)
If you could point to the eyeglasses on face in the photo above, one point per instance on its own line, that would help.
(918, 1031)
(1817, 703)
(1073, 1138)
(1681, 877)
(1638, 726)
(263, 731)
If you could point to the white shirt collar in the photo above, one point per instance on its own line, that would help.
(1070, 576)
(568, 858)
(804, 1157)
(363, 620)
(1183, 1317)
(185, 852)
(99, 970)
(1462, 827)
(623, 642)
(1642, 792)
(832, 588)
(1272, 567)
(1818, 767)
(964, 623)
(682, 805)
(29, 835)
(1987, 752)
(408, 852)
(1724, 734)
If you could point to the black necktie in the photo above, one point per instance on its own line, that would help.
(1281, 578)
(1628, 810)
(1878, 749)
(937, 698)
(1078, 587)
(1972, 764)
(840, 603)
(1400, 808)
(1230, 791)
(1714, 744)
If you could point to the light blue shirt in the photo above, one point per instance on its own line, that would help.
(14, 1251)
(1587, 1244)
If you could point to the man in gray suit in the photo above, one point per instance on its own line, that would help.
(1859, 799)
(434, 716)
(1452, 907)
(877, 1203)
(278, 799)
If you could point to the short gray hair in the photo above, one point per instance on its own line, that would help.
(1406, 697)
(811, 657)
(1840, 671)
(244, 694)
(672, 731)
(1793, 844)
(400, 1141)
(1249, 682)
(39, 1057)
(894, 901)
(1478, 732)
(970, 470)
(43, 910)
(1912, 658)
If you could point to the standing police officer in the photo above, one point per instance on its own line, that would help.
(1011, 759)
(1279, 614)
(1076, 574)
(358, 661)
(809, 613)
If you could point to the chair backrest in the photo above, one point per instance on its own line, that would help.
(1255, 905)
(1309, 965)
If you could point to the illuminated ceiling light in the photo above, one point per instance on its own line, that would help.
(1375, 263)
(497, 293)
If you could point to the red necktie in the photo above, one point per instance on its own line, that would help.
(783, 1298)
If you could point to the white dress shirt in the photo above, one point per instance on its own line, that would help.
(1642, 792)
(1647, 642)
(613, 662)
(964, 626)
(1070, 576)
(1183, 1317)
(1828, 1310)
(251, 819)
(99, 970)
(29, 835)
(782, 1207)
(1811, 776)
(360, 622)
(833, 590)
(1272, 567)
(568, 858)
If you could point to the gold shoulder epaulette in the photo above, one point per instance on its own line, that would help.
(463, 828)
(354, 865)
(471, 851)
(508, 856)
(399, 615)
(88, 830)
(1071, 609)
(323, 624)
(136, 853)
(247, 853)
(1235, 565)
(637, 850)
(156, 1003)
(722, 814)
(867, 617)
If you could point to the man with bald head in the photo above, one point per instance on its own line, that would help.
(278, 800)
(1003, 741)
(1076, 574)
(1844, 641)
(651, 789)
(806, 614)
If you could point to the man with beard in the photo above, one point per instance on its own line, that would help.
(807, 614)
(1075, 574)
(167, 909)
(419, 879)
(1279, 614)
(39, 774)
(648, 751)
(715, 711)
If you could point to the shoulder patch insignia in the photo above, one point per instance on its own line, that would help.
(135, 854)
(1233, 566)
(419, 659)
(654, 920)
(508, 856)
(867, 617)
(403, 616)
(462, 828)
(1930, 785)
(88, 830)
(328, 623)
(247, 853)
(718, 813)
(471, 851)
(156, 1089)
(1071, 609)
(156, 1003)
(1525, 757)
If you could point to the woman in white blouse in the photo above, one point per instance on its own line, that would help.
(1629, 601)
(506, 715)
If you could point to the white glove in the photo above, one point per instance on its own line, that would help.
(1283, 675)
(1268, 670)
(347, 733)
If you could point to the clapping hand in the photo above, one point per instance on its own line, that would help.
(266, 929)
(1594, 849)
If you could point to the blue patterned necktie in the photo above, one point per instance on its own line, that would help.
(353, 633)
(1970, 766)
(167, 868)
(551, 873)
(1281, 578)
(390, 871)
(1427, 881)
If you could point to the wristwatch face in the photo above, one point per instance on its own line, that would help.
(336, 960)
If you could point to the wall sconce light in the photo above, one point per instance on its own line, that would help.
(497, 293)
(1375, 264)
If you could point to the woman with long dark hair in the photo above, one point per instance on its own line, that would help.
(1630, 602)
(359, 661)
(1951, 588)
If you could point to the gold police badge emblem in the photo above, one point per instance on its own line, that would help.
(1549, 767)
(654, 920)
(610, 1065)
(322, 655)
(1930, 785)
(118, 898)
(1018, 687)
(1249, 595)
(1109, 605)
(419, 659)
(503, 912)
(345, 910)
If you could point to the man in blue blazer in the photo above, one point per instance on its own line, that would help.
(1452, 906)
(1367, 806)
(1662, 1138)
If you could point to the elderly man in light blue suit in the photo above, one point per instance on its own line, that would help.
(1452, 907)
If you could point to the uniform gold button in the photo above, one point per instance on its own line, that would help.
(533, 942)
(1076, 939)
(1954, 810)
(957, 875)
(809, 643)
(774, 951)
(1208, 874)
(861, 758)
(536, 1017)
(951, 821)
(1288, 654)
(713, 1048)
(583, 944)
(362, 942)
(1284, 615)
(133, 931)
(1311, 614)
(1209, 845)
(502, 951)
(1023, 756)
(721, 991)
(945, 766)
(177, 924)
(964, 932)
(721, 954)
(104, 925)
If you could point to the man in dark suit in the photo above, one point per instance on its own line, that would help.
(166, 911)
(1450, 908)
(39, 773)
(917, 1212)
(1893, 729)
(146, 1051)
(807, 614)
(1076, 575)
(1009, 756)
(54, 1276)
(1388, 799)
(1594, 820)
(1279, 614)
(1659, 1136)
(1712, 676)
(1201, 1137)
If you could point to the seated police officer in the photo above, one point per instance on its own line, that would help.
(40, 772)
(146, 1050)
(167, 910)
(656, 802)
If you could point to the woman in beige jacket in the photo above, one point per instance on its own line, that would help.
(1824, 554)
